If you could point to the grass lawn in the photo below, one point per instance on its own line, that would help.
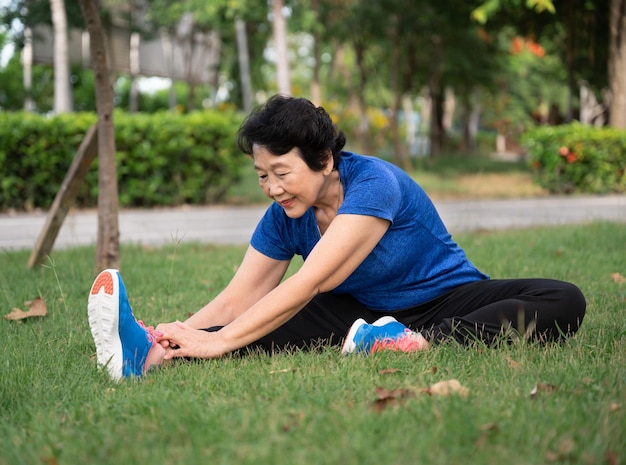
(320, 407)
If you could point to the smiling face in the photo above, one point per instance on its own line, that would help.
(289, 181)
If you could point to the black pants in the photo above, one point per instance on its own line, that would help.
(540, 309)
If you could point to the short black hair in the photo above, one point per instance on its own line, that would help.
(284, 122)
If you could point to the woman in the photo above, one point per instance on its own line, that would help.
(379, 265)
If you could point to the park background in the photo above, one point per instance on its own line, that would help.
(498, 98)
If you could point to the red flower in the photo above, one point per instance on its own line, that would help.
(571, 158)
(563, 151)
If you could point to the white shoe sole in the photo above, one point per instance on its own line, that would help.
(348, 344)
(384, 320)
(103, 313)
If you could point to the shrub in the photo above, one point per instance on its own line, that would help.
(162, 159)
(578, 159)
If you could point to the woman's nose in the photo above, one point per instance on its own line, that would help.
(274, 187)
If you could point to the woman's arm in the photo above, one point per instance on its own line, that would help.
(347, 242)
(256, 276)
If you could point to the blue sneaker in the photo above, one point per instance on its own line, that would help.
(386, 333)
(122, 342)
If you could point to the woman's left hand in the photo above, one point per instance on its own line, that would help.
(181, 340)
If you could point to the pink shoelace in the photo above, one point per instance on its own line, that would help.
(410, 342)
(152, 333)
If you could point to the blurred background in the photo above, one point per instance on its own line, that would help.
(405, 80)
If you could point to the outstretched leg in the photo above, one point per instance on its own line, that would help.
(539, 309)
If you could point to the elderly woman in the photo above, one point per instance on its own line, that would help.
(380, 269)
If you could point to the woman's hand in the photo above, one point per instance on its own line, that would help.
(181, 340)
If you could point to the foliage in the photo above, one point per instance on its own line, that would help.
(366, 54)
(162, 158)
(319, 407)
(13, 94)
(578, 159)
(531, 87)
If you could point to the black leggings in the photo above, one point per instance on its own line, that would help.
(540, 309)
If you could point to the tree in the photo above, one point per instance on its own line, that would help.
(107, 244)
(617, 64)
(579, 27)
(62, 92)
(279, 27)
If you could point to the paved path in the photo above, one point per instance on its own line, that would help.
(223, 225)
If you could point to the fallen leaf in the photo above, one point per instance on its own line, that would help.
(485, 432)
(611, 457)
(567, 446)
(614, 406)
(512, 362)
(388, 371)
(552, 456)
(389, 397)
(618, 278)
(36, 307)
(542, 387)
(382, 393)
(295, 419)
(564, 451)
(446, 388)
(284, 370)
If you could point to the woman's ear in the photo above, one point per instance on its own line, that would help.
(330, 162)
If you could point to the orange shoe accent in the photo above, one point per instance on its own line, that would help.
(103, 280)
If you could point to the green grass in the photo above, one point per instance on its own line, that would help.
(314, 408)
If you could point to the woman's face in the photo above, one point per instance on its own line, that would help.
(289, 181)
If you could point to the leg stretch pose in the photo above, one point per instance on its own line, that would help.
(380, 270)
(540, 309)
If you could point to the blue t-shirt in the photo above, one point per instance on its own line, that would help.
(415, 261)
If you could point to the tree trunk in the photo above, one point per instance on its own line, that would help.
(27, 64)
(62, 90)
(133, 98)
(279, 26)
(435, 88)
(107, 246)
(316, 86)
(400, 156)
(244, 64)
(617, 64)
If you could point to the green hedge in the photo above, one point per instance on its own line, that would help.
(163, 159)
(578, 159)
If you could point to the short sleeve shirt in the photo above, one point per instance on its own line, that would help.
(415, 261)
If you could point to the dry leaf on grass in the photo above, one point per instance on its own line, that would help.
(618, 278)
(614, 406)
(512, 362)
(542, 387)
(388, 371)
(388, 397)
(447, 388)
(36, 307)
(486, 431)
(284, 370)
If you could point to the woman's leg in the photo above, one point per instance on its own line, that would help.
(325, 320)
(542, 309)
